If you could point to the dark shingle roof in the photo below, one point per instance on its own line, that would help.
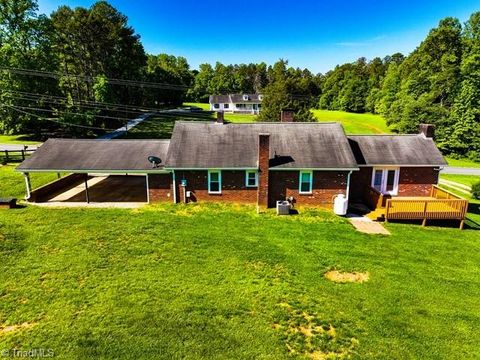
(297, 145)
(95, 155)
(234, 98)
(413, 150)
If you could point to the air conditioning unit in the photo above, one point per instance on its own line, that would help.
(283, 207)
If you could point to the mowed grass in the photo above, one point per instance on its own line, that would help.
(462, 163)
(473, 204)
(354, 123)
(13, 183)
(468, 180)
(17, 139)
(161, 125)
(220, 281)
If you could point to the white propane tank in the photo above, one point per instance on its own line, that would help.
(340, 205)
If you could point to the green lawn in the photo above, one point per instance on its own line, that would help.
(161, 126)
(220, 281)
(17, 139)
(204, 106)
(13, 185)
(355, 123)
(468, 180)
(462, 163)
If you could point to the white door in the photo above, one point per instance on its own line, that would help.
(385, 180)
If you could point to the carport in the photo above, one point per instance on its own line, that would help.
(99, 171)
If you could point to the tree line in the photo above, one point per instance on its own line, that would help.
(81, 70)
(438, 83)
(87, 70)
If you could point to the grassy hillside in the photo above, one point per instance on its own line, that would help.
(354, 123)
(217, 281)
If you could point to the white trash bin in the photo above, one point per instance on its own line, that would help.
(340, 205)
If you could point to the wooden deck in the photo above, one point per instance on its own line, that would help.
(440, 205)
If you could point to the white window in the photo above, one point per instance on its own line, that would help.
(251, 178)
(385, 180)
(306, 182)
(216, 106)
(214, 182)
(260, 97)
(245, 97)
(225, 106)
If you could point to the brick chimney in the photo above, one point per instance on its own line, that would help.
(286, 115)
(263, 169)
(428, 130)
(219, 117)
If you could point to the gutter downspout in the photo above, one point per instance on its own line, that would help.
(27, 186)
(348, 184)
(174, 187)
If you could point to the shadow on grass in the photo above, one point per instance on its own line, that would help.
(448, 224)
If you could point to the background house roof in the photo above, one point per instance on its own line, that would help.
(96, 155)
(292, 145)
(405, 150)
(234, 98)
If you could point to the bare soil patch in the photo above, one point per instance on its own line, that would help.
(347, 277)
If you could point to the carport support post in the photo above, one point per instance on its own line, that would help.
(28, 186)
(87, 195)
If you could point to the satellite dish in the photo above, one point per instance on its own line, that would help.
(154, 160)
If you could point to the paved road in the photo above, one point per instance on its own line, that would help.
(461, 171)
(120, 131)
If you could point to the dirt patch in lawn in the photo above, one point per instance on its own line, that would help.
(347, 277)
(307, 335)
(4, 330)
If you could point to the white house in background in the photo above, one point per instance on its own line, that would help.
(237, 103)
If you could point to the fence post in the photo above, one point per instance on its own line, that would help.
(424, 222)
(6, 156)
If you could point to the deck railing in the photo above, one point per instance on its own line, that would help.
(443, 205)
(374, 198)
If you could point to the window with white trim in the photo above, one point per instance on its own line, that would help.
(251, 178)
(214, 182)
(216, 106)
(225, 106)
(385, 180)
(306, 182)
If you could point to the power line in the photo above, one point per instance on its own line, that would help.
(87, 102)
(60, 102)
(56, 121)
(112, 81)
(71, 113)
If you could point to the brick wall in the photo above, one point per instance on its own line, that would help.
(326, 184)
(413, 181)
(160, 187)
(359, 181)
(233, 186)
(417, 181)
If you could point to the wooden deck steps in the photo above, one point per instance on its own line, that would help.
(377, 214)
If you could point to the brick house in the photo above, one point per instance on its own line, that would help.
(257, 163)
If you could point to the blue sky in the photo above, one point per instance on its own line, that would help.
(316, 34)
